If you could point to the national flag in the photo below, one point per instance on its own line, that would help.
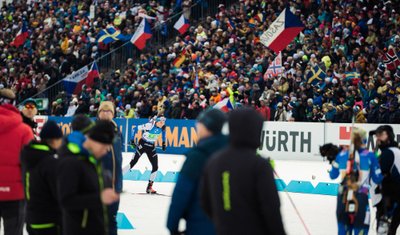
(391, 60)
(92, 75)
(21, 37)
(315, 75)
(142, 34)
(282, 31)
(111, 34)
(65, 45)
(275, 68)
(141, 14)
(180, 59)
(231, 24)
(224, 105)
(73, 83)
(182, 24)
(353, 76)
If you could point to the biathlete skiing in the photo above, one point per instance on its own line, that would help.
(151, 132)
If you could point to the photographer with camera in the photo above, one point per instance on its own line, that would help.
(355, 166)
(388, 209)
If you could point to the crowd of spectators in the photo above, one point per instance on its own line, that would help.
(225, 55)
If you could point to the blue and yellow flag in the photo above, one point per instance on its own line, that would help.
(315, 75)
(111, 34)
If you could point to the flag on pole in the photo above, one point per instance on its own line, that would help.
(390, 59)
(111, 34)
(182, 24)
(224, 105)
(142, 34)
(275, 68)
(73, 83)
(282, 31)
(141, 14)
(315, 75)
(21, 37)
(92, 75)
(180, 59)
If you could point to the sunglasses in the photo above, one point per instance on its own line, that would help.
(30, 106)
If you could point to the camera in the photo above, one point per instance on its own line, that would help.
(329, 151)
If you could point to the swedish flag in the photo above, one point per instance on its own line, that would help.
(111, 34)
(315, 75)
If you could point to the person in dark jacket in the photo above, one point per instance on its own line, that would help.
(238, 189)
(388, 211)
(383, 116)
(185, 201)
(28, 112)
(84, 190)
(112, 162)
(394, 110)
(373, 112)
(39, 166)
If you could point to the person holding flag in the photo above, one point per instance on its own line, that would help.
(152, 130)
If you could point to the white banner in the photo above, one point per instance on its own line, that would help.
(291, 140)
(339, 133)
(78, 75)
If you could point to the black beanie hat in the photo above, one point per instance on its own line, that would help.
(103, 132)
(50, 130)
(213, 120)
(82, 123)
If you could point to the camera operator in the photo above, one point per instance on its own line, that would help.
(355, 167)
(388, 209)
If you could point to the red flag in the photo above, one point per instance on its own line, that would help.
(21, 36)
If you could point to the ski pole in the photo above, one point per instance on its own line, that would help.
(294, 206)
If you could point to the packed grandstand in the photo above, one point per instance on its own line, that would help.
(351, 48)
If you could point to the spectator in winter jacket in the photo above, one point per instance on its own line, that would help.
(238, 189)
(383, 116)
(112, 161)
(280, 114)
(264, 110)
(185, 203)
(14, 134)
(28, 112)
(40, 167)
(330, 114)
(360, 117)
(84, 190)
(347, 113)
(394, 110)
(373, 112)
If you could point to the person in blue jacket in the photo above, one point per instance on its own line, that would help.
(112, 162)
(151, 132)
(352, 211)
(185, 203)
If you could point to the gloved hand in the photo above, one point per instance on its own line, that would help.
(164, 146)
(133, 144)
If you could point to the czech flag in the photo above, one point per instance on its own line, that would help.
(92, 75)
(182, 25)
(142, 34)
(22, 35)
(224, 105)
(282, 31)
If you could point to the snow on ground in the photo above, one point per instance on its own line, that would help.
(148, 213)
